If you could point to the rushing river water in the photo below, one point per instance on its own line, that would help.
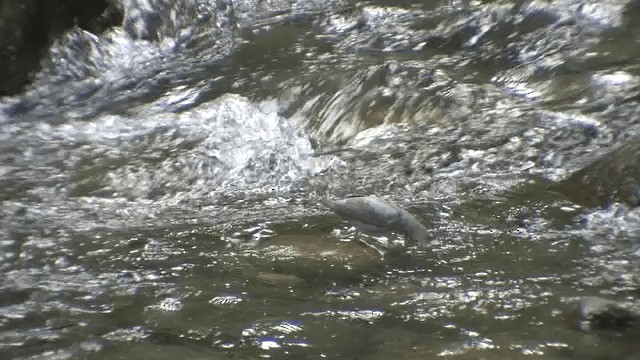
(160, 184)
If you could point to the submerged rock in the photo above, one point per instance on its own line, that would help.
(612, 177)
(303, 258)
(602, 314)
(375, 216)
(273, 278)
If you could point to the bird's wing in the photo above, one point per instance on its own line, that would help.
(369, 210)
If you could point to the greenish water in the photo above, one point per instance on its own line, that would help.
(162, 199)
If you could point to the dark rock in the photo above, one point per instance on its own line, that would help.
(27, 27)
(603, 314)
(612, 177)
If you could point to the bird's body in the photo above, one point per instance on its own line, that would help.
(375, 216)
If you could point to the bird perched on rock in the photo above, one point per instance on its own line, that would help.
(375, 216)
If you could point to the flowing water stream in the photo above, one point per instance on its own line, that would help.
(160, 183)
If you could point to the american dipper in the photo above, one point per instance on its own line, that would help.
(375, 216)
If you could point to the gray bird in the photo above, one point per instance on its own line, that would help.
(375, 216)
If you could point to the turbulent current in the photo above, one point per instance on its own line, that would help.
(161, 183)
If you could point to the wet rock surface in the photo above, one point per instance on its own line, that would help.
(614, 176)
(27, 27)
